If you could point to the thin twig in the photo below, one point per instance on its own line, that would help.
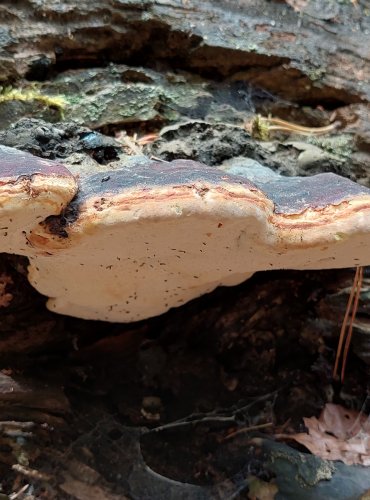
(344, 337)
(343, 329)
(285, 125)
(24, 488)
(128, 142)
(353, 317)
(260, 127)
(31, 473)
(147, 139)
(247, 429)
(183, 423)
(226, 415)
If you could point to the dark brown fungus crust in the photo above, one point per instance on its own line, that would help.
(288, 194)
(292, 195)
(16, 164)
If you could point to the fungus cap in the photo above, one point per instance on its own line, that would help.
(31, 189)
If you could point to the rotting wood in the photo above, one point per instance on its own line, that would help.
(266, 43)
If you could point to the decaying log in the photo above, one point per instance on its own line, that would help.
(313, 54)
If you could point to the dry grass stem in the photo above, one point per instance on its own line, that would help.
(347, 325)
(247, 429)
(261, 127)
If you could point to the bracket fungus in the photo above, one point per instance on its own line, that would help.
(31, 189)
(129, 244)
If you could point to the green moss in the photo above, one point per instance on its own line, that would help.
(339, 145)
(73, 99)
(252, 47)
(260, 129)
(316, 74)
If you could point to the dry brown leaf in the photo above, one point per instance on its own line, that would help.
(338, 434)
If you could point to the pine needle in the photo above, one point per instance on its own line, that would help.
(260, 127)
(347, 325)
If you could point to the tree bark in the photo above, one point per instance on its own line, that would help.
(315, 54)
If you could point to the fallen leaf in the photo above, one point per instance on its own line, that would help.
(338, 434)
